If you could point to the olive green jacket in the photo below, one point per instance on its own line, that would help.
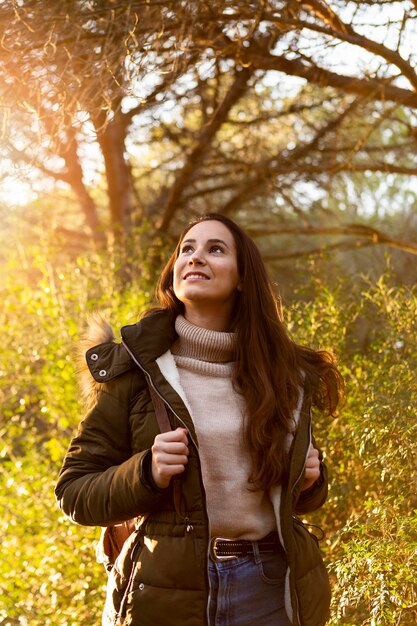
(160, 577)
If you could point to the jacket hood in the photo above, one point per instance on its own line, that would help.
(101, 358)
(98, 333)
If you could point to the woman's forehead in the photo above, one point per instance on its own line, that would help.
(210, 229)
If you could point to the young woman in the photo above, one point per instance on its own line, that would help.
(229, 549)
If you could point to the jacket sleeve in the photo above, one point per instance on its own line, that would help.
(101, 482)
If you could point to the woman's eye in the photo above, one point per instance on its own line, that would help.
(216, 249)
(186, 249)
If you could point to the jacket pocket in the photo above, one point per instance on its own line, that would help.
(158, 606)
(311, 579)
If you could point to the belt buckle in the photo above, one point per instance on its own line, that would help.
(213, 549)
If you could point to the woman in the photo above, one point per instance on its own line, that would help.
(239, 393)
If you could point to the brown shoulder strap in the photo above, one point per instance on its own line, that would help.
(165, 426)
(160, 410)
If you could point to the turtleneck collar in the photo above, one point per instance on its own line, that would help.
(202, 344)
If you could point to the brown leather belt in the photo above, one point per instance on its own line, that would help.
(223, 549)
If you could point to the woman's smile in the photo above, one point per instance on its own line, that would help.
(195, 276)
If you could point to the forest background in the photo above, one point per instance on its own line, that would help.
(123, 120)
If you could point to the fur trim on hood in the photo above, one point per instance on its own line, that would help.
(98, 331)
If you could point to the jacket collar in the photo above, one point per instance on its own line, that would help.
(151, 337)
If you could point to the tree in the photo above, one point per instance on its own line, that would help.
(241, 106)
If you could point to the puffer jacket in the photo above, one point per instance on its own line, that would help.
(160, 577)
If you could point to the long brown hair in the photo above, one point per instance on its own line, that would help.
(271, 367)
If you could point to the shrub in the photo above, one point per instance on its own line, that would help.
(48, 567)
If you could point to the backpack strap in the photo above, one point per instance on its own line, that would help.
(160, 410)
(165, 426)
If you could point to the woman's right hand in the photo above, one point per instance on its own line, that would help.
(169, 456)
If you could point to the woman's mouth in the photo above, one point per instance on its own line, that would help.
(195, 276)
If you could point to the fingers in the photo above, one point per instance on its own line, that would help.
(179, 434)
(312, 468)
(312, 473)
(312, 458)
(169, 456)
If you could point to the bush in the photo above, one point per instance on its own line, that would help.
(370, 518)
(48, 567)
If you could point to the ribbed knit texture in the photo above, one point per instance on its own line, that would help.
(204, 361)
(206, 351)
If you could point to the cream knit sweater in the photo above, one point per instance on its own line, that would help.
(204, 361)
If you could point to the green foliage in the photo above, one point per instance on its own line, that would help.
(371, 516)
(48, 570)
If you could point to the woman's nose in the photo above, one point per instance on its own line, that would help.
(196, 258)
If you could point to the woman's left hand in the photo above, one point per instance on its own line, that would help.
(312, 469)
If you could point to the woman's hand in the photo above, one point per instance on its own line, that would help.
(169, 456)
(312, 469)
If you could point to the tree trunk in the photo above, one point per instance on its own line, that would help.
(75, 179)
(111, 137)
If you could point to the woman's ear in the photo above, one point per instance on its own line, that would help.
(240, 287)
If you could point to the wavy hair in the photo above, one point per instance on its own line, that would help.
(271, 367)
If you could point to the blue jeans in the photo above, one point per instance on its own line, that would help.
(248, 591)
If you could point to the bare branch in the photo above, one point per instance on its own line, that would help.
(200, 149)
(387, 168)
(323, 11)
(348, 35)
(161, 88)
(24, 157)
(372, 88)
(271, 166)
(374, 236)
(341, 246)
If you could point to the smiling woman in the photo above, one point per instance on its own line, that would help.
(217, 495)
(206, 275)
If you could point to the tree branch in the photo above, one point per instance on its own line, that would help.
(19, 155)
(342, 245)
(347, 34)
(201, 147)
(334, 168)
(163, 87)
(375, 237)
(326, 14)
(270, 167)
(372, 88)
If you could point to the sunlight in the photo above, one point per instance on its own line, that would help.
(150, 543)
(16, 192)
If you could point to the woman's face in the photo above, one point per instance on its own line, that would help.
(206, 272)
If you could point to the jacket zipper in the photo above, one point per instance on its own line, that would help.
(301, 474)
(299, 477)
(135, 360)
(121, 614)
(157, 391)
